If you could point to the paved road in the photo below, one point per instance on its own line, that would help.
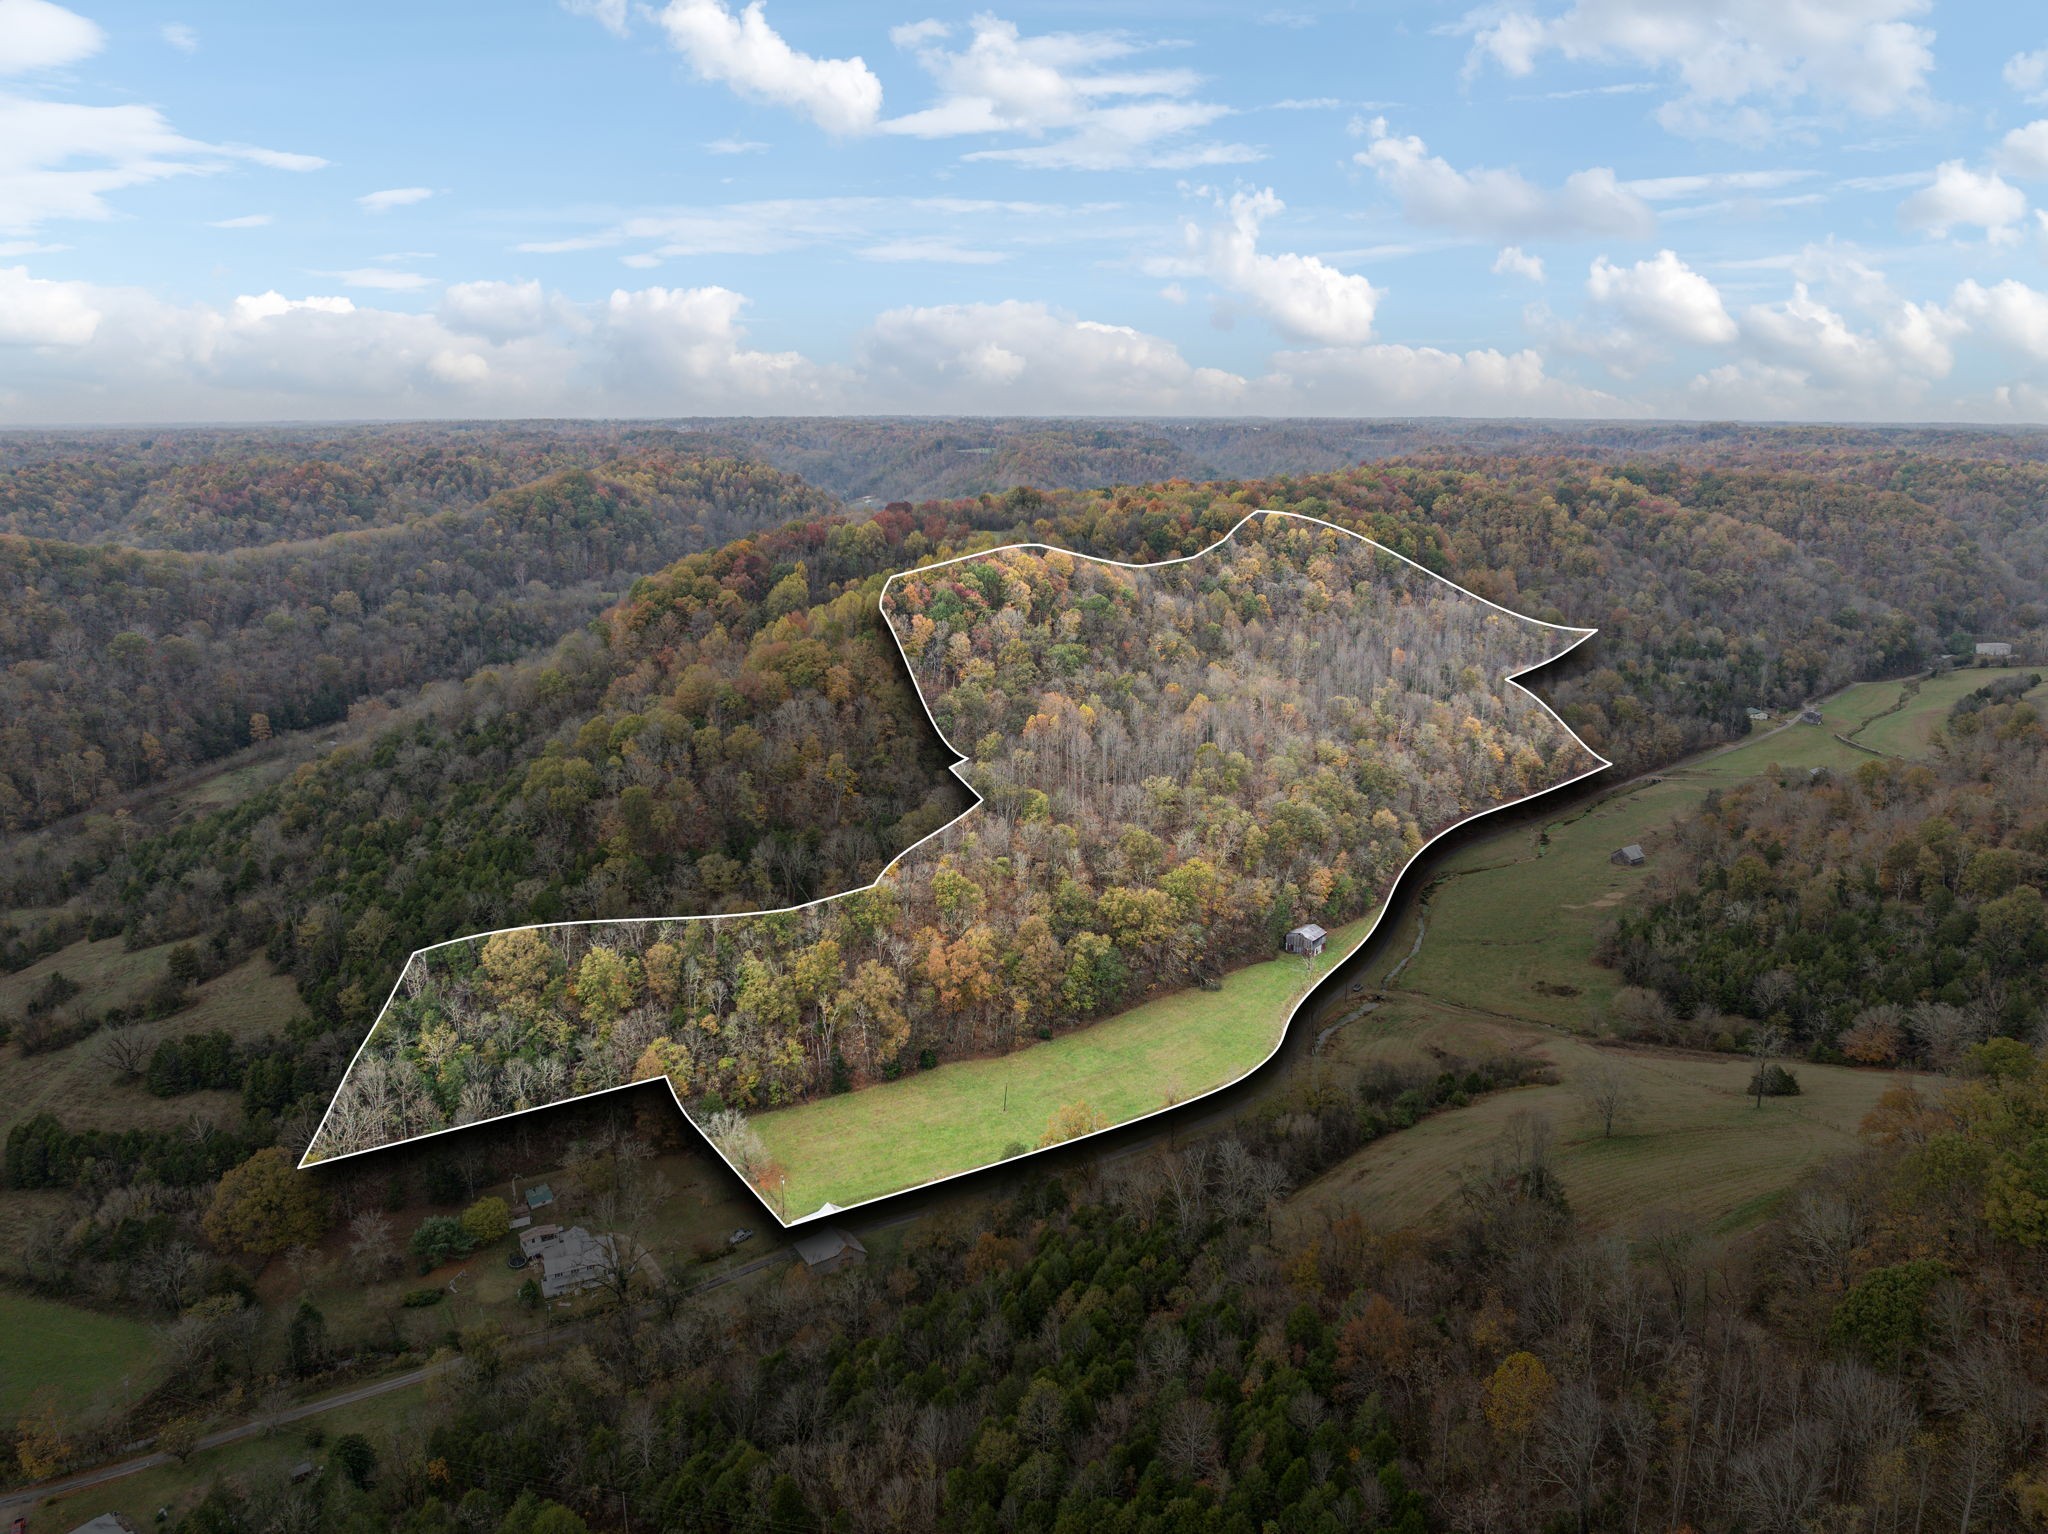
(22, 1502)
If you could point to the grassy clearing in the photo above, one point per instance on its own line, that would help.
(386, 1420)
(1910, 732)
(247, 1002)
(963, 1115)
(1514, 920)
(84, 1357)
(1695, 1144)
(106, 973)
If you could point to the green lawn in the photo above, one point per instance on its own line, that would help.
(960, 1116)
(80, 1355)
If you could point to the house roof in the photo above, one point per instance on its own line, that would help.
(1308, 930)
(106, 1523)
(1632, 850)
(540, 1193)
(824, 1245)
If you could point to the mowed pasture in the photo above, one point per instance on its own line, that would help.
(74, 1357)
(965, 1114)
(1693, 1143)
(1514, 918)
(78, 1085)
(1910, 731)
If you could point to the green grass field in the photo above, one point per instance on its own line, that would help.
(81, 1356)
(1513, 923)
(1695, 1144)
(1910, 731)
(960, 1116)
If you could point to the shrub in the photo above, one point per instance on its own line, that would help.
(420, 1299)
(440, 1238)
(487, 1220)
(1773, 1081)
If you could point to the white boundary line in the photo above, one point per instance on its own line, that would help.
(920, 571)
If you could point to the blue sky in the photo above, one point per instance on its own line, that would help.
(1815, 209)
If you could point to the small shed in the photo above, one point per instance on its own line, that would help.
(304, 1470)
(1630, 856)
(1995, 649)
(1757, 715)
(1307, 941)
(1811, 716)
(538, 1197)
(829, 1250)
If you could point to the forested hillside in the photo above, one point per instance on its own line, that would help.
(119, 667)
(1893, 915)
(1176, 766)
(1861, 1364)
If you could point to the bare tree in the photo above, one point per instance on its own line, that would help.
(125, 1051)
(1610, 1097)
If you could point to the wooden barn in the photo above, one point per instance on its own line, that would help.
(1307, 941)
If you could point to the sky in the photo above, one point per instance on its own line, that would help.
(1694, 209)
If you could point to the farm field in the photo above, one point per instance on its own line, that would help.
(247, 1002)
(1909, 732)
(79, 1355)
(1513, 919)
(1695, 1144)
(964, 1115)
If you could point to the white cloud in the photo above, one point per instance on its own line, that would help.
(1513, 260)
(1806, 334)
(1075, 88)
(2024, 151)
(34, 312)
(2027, 73)
(934, 248)
(1728, 55)
(393, 197)
(744, 52)
(85, 352)
(35, 34)
(1752, 391)
(735, 146)
(381, 278)
(1961, 196)
(1499, 204)
(245, 221)
(181, 37)
(609, 14)
(498, 311)
(60, 159)
(1305, 298)
(1015, 356)
(1670, 188)
(1665, 295)
(669, 343)
(2009, 312)
(1424, 380)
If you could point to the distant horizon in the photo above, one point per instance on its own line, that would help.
(1562, 424)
